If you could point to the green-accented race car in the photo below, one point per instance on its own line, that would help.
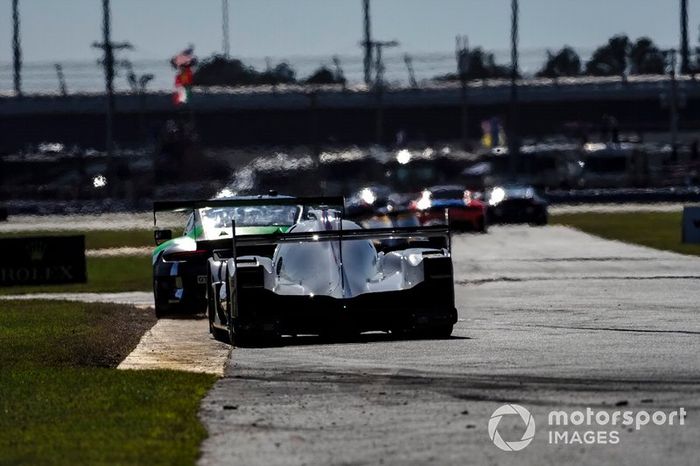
(180, 268)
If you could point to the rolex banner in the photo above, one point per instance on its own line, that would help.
(42, 260)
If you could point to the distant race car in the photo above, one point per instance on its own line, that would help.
(180, 265)
(327, 275)
(516, 204)
(368, 202)
(377, 207)
(453, 204)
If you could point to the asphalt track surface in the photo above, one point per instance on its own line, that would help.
(549, 318)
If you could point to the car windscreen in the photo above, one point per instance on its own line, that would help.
(415, 176)
(222, 217)
(606, 164)
(448, 194)
(519, 192)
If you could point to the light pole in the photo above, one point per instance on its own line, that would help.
(379, 85)
(16, 50)
(108, 62)
(685, 52)
(109, 82)
(673, 98)
(514, 137)
(224, 28)
(367, 43)
(462, 52)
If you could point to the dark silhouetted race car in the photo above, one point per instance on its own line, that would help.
(516, 204)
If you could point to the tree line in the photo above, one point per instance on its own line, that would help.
(220, 71)
(620, 55)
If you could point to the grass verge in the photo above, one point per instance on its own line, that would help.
(63, 403)
(660, 230)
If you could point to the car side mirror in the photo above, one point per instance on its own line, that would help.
(161, 236)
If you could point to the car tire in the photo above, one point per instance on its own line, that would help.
(217, 333)
(254, 338)
(231, 332)
(341, 336)
(483, 225)
(220, 335)
(438, 332)
(402, 333)
(160, 311)
(238, 337)
(241, 339)
(542, 220)
(210, 305)
(162, 308)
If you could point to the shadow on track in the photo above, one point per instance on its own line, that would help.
(363, 338)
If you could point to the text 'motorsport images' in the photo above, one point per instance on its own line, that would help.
(367, 232)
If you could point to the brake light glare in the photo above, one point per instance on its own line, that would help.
(184, 255)
(467, 197)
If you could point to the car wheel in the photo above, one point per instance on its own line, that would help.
(161, 308)
(542, 220)
(340, 336)
(156, 304)
(220, 335)
(160, 311)
(210, 304)
(442, 331)
(240, 338)
(217, 333)
(231, 332)
(254, 338)
(482, 225)
(402, 333)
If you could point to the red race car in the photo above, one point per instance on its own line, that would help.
(453, 204)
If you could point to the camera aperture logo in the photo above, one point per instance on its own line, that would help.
(581, 427)
(528, 420)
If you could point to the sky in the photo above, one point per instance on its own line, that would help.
(63, 30)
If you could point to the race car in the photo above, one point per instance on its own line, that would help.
(327, 275)
(516, 204)
(452, 204)
(180, 267)
(377, 207)
(369, 201)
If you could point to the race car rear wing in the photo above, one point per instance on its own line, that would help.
(228, 247)
(171, 206)
(378, 234)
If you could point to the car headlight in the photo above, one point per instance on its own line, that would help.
(497, 196)
(424, 203)
(368, 196)
(403, 156)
